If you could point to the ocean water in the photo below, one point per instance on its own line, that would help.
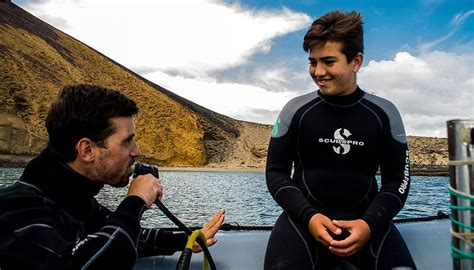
(194, 196)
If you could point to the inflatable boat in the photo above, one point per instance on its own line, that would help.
(243, 248)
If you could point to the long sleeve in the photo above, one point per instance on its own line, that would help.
(115, 243)
(282, 154)
(282, 188)
(395, 173)
(36, 234)
(160, 242)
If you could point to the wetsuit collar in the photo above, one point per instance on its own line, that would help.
(60, 183)
(343, 100)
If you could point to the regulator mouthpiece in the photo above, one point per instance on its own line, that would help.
(142, 169)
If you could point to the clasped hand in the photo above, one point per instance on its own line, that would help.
(320, 226)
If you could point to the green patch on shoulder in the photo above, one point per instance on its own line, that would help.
(276, 127)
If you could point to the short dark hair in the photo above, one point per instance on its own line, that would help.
(84, 111)
(337, 26)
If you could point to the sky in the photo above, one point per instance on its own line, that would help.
(245, 59)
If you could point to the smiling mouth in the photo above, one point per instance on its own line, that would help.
(323, 82)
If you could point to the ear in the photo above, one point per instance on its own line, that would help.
(85, 150)
(357, 62)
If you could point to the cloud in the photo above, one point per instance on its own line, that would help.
(428, 89)
(457, 22)
(428, 46)
(182, 44)
(461, 18)
(275, 79)
(240, 101)
(192, 37)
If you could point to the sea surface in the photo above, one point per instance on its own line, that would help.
(194, 196)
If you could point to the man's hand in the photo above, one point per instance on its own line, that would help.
(359, 235)
(319, 225)
(147, 187)
(210, 229)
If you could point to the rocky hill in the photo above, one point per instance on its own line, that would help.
(428, 156)
(37, 60)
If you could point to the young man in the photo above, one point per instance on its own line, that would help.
(335, 216)
(50, 218)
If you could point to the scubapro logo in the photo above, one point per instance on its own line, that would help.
(338, 136)
(341, 136)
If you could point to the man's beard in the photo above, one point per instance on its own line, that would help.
(115, 177)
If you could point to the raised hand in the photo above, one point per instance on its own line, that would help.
(210, 229)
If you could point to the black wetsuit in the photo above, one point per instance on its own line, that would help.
(49, 219)
(337, 144)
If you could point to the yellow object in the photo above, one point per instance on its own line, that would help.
(192, 238)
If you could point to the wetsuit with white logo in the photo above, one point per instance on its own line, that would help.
(336, 145)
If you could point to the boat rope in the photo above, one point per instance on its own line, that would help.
(464, 237)
(440, 215)
(234, 226)
(460, 224)
(461, 208)
(460, 162)
(460, 194)
(461, 254)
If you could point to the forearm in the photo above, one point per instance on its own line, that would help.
(154, 242)
(395, 174)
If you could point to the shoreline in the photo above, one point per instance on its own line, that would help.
(416, 171)
(6, 161)
(211, 169)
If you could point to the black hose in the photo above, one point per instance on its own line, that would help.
(188, 231)
(184, 259)
(141, 169)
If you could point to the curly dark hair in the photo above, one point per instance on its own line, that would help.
(337, 26)
(84, 111)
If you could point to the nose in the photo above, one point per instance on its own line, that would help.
(135, 150)
(319, 70)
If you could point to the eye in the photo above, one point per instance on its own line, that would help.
(329, 62)
(127, 141)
